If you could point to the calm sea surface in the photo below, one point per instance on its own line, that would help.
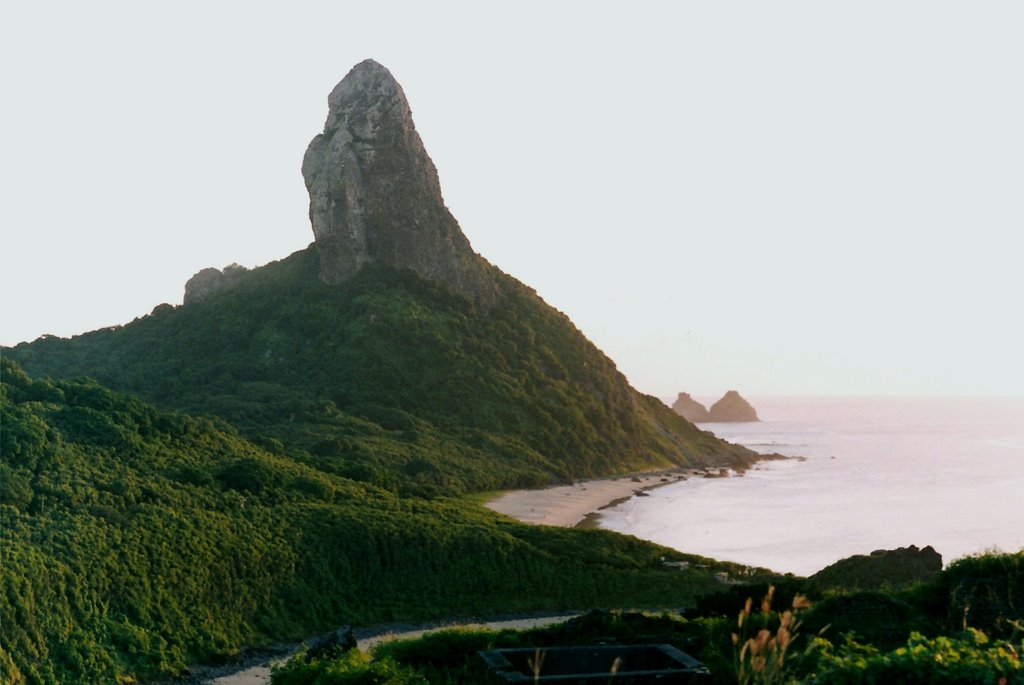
(880, 473)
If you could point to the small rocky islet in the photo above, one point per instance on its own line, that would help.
(732, 408)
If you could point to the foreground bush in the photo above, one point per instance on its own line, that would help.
(354, 668)
(966, 658)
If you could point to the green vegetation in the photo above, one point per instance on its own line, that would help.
(136, 541)
(316, 488)
(764, 646)
(969, 657)
(296, 456)
(390, 380)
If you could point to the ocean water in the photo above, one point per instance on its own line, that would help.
(879, 473)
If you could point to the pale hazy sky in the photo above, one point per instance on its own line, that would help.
(783, 198)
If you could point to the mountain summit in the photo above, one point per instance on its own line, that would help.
(374, 195)
(388, 351)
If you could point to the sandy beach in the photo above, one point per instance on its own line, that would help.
(570, 505)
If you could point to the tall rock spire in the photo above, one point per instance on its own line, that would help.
(374, 195)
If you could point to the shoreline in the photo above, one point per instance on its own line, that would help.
(580, 504)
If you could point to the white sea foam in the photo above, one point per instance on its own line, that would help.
(880, 473)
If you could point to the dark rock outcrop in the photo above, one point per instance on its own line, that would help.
(210, 280)
(732, 408)
(880, 568)
(690, 409)
(331, 645)
(374, 195)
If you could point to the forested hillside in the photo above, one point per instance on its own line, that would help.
(286, 459)
(136, 541)
(392, 380)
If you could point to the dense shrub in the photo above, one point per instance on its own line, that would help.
(966, 658)
(178, 540)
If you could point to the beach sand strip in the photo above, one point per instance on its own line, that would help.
(571, 505)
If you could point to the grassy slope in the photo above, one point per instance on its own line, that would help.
(391, 380)
(136, 541)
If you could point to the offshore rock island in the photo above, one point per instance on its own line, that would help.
(690, 409)
(732, 408)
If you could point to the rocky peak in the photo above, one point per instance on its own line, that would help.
(690, 409)
(210, 280)
(732, 407)
(374, 195)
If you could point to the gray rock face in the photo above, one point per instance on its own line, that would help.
(210, 280)
(732, 407)
(374, 194)
(690, 409)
